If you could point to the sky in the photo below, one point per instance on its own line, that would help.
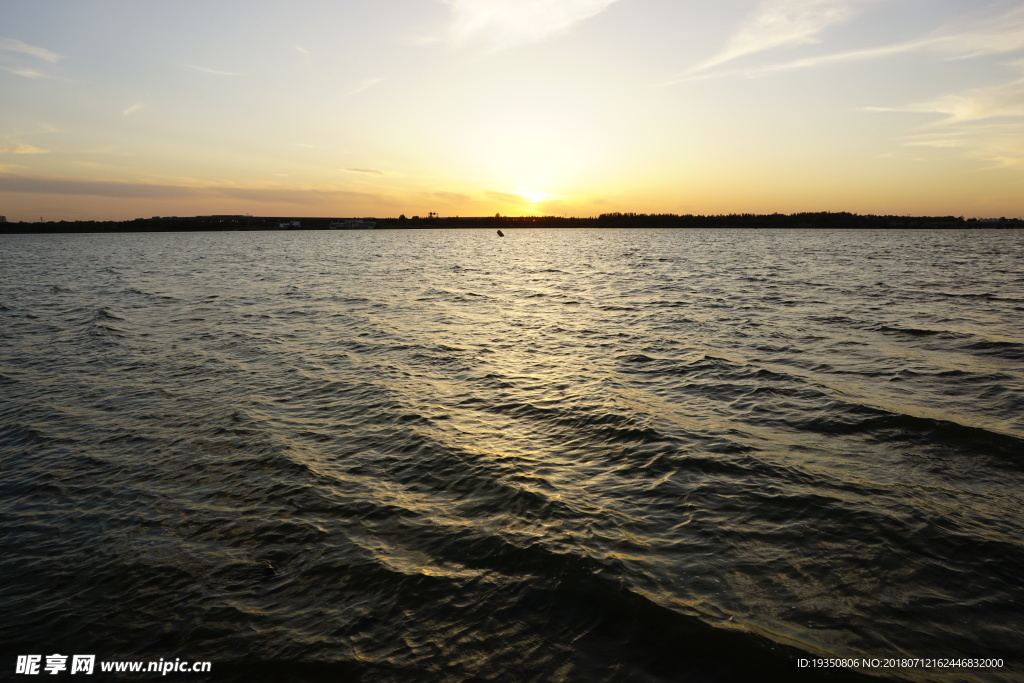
(117, 109)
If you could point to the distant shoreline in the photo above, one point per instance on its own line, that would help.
(820, 220)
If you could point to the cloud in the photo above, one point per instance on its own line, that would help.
(994, 35)
(810, 62)
(25, 72)
(307, 57)
(135, 190)
(504, 23)
(368, 171)
(451, 196)
(991, 35)
(1004, 99)
(998, 145)
(12, 45)
(208, 70)
(19, 148)
(132, 109)
(507, 197)
(776, 23)
(997, 34)
(364, 85)
(13, 51)
(999, 100)
(97, 188)
(985, 123)
(840, 57)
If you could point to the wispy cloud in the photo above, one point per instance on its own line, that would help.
(992, 35)
(841, 57)
(865, 54)
(12, 52)
(307, 56)
(454, 197)
(12, 45)
(504, 23)
(135, 190)
(999, 100)
(985, 123)
(507, 197)
(997, 145)
(1003, 99)
(208, 70)
(368, 171)
(25, 71)
(132, 109)
(776, 23)
(20, 148)
(364, 85)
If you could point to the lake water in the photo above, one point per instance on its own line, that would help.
(565, 455)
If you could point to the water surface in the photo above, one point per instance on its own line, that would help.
(580, 455)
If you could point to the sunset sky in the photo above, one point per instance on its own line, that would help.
(113, 109)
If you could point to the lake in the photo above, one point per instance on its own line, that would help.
(564, 455)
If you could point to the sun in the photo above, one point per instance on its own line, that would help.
(533, 196)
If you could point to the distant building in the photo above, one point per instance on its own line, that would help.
(3, 219)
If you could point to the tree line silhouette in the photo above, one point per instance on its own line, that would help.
(820, 220)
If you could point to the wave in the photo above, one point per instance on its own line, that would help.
(1004, 349)
(937, 435)
(136, 292)
(914, 331)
